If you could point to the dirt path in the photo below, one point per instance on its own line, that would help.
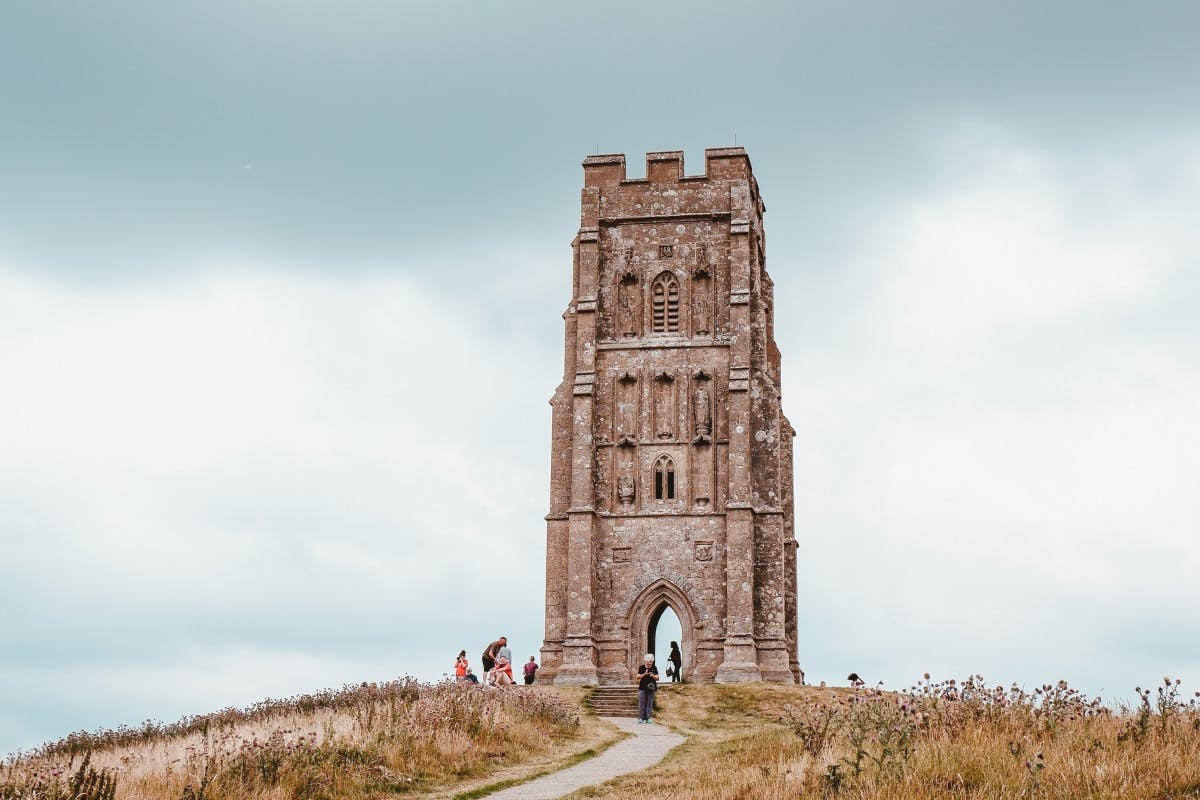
(645, 748)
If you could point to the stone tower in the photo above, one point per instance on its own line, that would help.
(671, 475)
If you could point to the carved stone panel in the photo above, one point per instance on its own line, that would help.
(702, 410)
(626, 416)
(626, 491)
(629, 301)
(626, 475)
(664, 406)
(702, 301)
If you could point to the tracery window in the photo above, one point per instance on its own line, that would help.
(664, 478)
(665, 306)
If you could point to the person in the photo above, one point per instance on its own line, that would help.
(470, 677)
(855, 681)
(501, 674)
(647, 678)
(461, 667)
(676, 659)
(505, 652)
(531, 669)
(490, 652)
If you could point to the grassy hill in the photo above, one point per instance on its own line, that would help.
(935, 740)
(402, 739)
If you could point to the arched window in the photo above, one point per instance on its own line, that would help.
(666, 304)
(664, 478)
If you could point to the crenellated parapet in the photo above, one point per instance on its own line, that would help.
(666, 166)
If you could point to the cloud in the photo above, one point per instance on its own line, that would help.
(348, 468)
(195, 681)
(995, 443)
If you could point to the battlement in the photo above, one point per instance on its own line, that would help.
(666, 166)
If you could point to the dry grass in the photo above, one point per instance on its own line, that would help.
(373, 740)
(801, 742)
(402, 739)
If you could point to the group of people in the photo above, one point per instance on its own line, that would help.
(498, 671)
(497, 666)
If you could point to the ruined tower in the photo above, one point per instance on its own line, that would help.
(671, 475)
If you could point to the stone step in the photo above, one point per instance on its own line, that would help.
(613, 701)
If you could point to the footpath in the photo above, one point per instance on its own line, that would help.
(648, 745)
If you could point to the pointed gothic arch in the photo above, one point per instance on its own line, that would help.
(664, 294)
(644, 613)
(664, 478)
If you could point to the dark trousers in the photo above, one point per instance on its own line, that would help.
(646, 702)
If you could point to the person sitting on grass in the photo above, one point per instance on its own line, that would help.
(501, 674)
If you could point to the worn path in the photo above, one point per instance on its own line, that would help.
(645, 748)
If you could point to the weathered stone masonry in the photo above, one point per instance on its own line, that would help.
(671, 475)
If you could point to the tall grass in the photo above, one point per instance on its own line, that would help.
(361, 741)
(971, 739)
(936, 740)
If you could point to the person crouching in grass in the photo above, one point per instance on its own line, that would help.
(501, 674)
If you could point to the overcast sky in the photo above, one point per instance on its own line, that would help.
(280, 312)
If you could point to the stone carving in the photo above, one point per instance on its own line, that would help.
(701, 311)
(704, 551)
(701, 316)
(664, 406)
(626, 469)
(628, 296)
(702, 407)
(627, 403)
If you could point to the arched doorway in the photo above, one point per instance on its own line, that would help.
(662, 614)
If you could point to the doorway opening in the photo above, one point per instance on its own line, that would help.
(664, 629)
(662, 614)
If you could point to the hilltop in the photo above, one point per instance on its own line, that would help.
(403, 739)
